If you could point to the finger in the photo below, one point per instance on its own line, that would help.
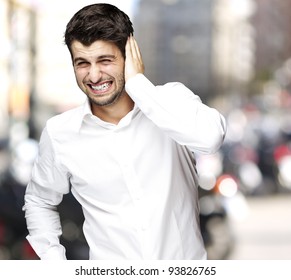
(128, 47)
(134, 63)
(135, 48)
(138, 55)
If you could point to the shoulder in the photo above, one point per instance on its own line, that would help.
(141, 83)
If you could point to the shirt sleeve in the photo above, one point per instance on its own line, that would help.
(43, 193)
(180, 113)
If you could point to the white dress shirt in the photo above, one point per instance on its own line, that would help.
(136, 181)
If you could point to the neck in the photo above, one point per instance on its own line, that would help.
(115, 112)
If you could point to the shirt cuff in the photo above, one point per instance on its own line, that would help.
(54, 253)
(46, 251)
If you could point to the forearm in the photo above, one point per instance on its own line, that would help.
(44, 226)
(180, 113)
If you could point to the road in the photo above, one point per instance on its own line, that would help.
(265, 231)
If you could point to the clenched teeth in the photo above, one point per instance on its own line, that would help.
(101, 87)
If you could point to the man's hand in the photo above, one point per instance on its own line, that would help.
(133, 62)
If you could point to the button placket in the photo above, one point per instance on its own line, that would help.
(132, 181)
(139, 215)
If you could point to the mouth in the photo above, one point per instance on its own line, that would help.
(100, 88)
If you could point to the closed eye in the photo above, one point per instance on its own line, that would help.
(105, 61)
(81, 63)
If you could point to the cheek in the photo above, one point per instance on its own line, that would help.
(80, 82)
(119, 71)
(80, 75)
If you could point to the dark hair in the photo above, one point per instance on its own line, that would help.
(99, 22)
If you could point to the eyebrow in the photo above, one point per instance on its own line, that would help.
(105, 56)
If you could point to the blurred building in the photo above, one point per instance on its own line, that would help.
(233, 46)
(272, 23)
(17, 66)
(4, 66)
(206, 44)
(175, 38)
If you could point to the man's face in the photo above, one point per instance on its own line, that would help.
(99, 71)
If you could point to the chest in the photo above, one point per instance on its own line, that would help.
(106, 163)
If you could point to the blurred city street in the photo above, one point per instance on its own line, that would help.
(223, 52)
(265, 233)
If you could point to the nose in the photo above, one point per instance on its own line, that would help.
(94, 73)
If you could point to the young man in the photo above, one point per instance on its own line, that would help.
(126, 153)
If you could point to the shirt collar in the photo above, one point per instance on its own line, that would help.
(83, 111)
(86, 112)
